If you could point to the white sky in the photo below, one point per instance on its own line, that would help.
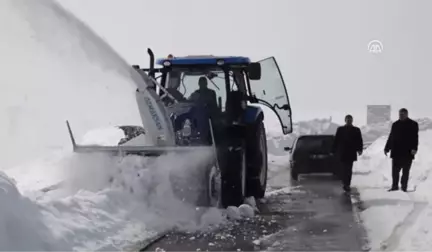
(321, 46)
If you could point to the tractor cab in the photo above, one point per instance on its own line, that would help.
(207, 80)
(227, 86)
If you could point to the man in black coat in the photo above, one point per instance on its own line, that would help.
(403, 144)
(348, 142)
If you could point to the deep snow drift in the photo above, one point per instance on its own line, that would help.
(396, 221)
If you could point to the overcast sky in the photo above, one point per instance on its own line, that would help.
(321, 46)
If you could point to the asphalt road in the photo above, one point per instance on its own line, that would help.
(314, 215)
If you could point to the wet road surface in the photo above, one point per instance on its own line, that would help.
(314, 215)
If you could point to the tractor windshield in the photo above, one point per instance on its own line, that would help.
(194, 85)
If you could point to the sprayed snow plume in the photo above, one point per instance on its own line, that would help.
(56, 69)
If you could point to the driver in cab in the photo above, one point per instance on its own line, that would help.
(204, 95)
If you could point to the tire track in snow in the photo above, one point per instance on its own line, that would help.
(392, 243)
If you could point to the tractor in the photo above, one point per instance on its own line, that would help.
(213, 103)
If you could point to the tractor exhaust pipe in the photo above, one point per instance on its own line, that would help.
(152, 62)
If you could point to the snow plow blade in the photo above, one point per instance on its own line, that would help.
(135, 150)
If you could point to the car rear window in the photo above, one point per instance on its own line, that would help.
(314, 144)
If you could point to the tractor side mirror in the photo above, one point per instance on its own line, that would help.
(254, 70)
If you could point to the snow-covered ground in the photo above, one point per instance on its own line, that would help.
(396, 221)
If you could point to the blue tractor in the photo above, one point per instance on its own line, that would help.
(208, 103)
(213, 101)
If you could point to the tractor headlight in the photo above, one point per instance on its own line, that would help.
(220, 62)
(187, 128)
(167, 63)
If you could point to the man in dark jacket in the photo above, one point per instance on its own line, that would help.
(348, 142)
(204, 94)
(403, 143)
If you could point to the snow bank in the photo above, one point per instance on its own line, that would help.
(378, 166)
(396, 220)
(21, 225)
(107, 203)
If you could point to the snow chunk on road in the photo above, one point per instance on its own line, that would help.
(246, 211)
(251, 202)
(233, 213)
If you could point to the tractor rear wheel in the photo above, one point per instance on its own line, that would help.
(233, 187)
(257, 161)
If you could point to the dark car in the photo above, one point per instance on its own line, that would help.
(312, 154)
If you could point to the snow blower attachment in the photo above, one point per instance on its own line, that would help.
(197, 103)
(132, 149)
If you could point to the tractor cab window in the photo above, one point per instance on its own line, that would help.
(198, 85)
(270, 91)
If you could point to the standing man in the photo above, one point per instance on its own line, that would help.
(348, 142)
(403, 143)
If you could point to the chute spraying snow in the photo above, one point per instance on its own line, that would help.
(54, 68)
